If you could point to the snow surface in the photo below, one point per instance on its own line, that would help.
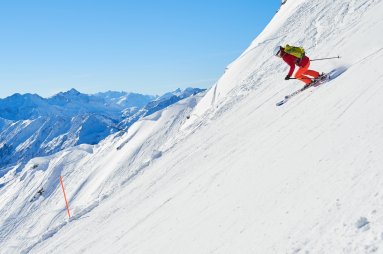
(230, 172)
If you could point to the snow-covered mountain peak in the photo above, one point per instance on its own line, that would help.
(71, 92)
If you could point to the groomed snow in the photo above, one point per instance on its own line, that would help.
(230, 172)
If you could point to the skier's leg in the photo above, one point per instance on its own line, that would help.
(300, 74)
(312, 73)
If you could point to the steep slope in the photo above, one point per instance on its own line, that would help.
(241, 175)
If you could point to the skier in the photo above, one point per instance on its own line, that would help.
(296, 56)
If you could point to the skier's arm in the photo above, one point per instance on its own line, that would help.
(290, 62)
(292, 68)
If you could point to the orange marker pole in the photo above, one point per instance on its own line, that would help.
(66, 202)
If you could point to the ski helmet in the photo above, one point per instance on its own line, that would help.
(277, 50)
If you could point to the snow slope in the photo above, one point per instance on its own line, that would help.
(240, 175)
(92, 173)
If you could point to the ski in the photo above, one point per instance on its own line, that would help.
(287, 97)
(325, 77)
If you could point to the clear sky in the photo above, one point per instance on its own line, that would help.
(145, 46)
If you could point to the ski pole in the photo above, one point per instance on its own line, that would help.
(320, 59)
(301, 78)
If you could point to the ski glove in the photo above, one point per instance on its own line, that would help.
(287, 77)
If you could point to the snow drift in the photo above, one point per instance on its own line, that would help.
(230, 172)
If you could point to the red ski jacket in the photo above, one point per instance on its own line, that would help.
(293, 60)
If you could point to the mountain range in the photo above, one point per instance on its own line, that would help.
(33, 126)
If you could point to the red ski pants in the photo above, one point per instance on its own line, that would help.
(302, 71)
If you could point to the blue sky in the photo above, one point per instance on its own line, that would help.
(146, 46)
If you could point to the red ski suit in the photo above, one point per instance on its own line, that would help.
(303, 65)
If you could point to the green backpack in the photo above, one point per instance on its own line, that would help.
(295, 51)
